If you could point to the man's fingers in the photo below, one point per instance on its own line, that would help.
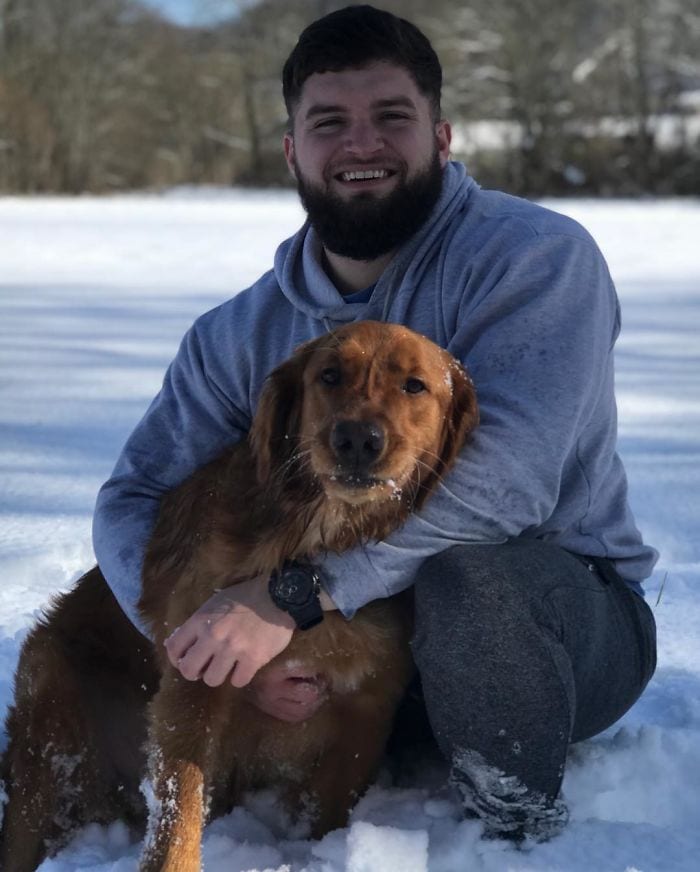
(244, 672)
(179, 641)
(230, 638)
(219, 669)
(195, 661)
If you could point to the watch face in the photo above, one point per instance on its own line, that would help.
(294, 586)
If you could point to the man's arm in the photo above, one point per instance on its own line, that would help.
(538, 345)
(190, 422)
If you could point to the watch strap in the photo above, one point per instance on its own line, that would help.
(308, 616)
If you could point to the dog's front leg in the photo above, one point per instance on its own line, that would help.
(346, 767)
(181, 738)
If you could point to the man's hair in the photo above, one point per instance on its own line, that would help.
(354, 37)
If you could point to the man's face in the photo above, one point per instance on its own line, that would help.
(367, 156)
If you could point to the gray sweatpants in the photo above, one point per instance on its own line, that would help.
(523, 648)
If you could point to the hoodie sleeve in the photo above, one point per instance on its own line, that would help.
(191, 421)
(536, 337)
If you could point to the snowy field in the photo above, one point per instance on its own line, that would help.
(94, 297)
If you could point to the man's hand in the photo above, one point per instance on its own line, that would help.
(236, 632)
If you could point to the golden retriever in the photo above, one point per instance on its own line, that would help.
(350, 436)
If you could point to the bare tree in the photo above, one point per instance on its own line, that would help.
(105, 94)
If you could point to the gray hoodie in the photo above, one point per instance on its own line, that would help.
(520, 294)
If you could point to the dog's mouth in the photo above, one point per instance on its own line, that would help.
(356, 487)
(355, 481)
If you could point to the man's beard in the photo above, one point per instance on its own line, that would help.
(367, 226)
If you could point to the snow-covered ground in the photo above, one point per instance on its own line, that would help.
(94, 296)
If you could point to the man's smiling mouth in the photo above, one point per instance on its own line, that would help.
(364, 175)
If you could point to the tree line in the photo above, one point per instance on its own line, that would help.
(545, 96)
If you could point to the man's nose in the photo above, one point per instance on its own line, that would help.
(362, 137)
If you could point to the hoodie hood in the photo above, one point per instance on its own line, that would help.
(300, 274)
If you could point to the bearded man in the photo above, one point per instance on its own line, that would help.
(531, 627)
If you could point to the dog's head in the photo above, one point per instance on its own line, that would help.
(372, 411)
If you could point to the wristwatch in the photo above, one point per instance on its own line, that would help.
(295, 589)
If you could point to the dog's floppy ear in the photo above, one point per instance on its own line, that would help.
(461, 418)
(274, 433)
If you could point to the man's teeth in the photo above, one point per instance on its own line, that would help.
(361, 175)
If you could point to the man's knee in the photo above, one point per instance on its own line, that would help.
(469, 580)
(503, 575)
(464, 597)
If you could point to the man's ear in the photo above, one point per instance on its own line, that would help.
(288, 145)
(443, 137)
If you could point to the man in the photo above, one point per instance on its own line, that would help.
(531, 629)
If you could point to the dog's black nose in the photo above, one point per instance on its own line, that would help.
(357, 444)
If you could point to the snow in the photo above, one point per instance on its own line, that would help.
(94, 297)
(668, 130)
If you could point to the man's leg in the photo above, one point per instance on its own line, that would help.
(523, 649)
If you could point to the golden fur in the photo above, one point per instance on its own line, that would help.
(92, 694)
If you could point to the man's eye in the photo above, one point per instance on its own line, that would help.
(330, 375)
(414, 386)
(327, 123)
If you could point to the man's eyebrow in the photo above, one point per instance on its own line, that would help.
(322, 109)
(394, 101)
(385, 103)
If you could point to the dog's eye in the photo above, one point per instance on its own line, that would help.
(330, 375)
(414, 386)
